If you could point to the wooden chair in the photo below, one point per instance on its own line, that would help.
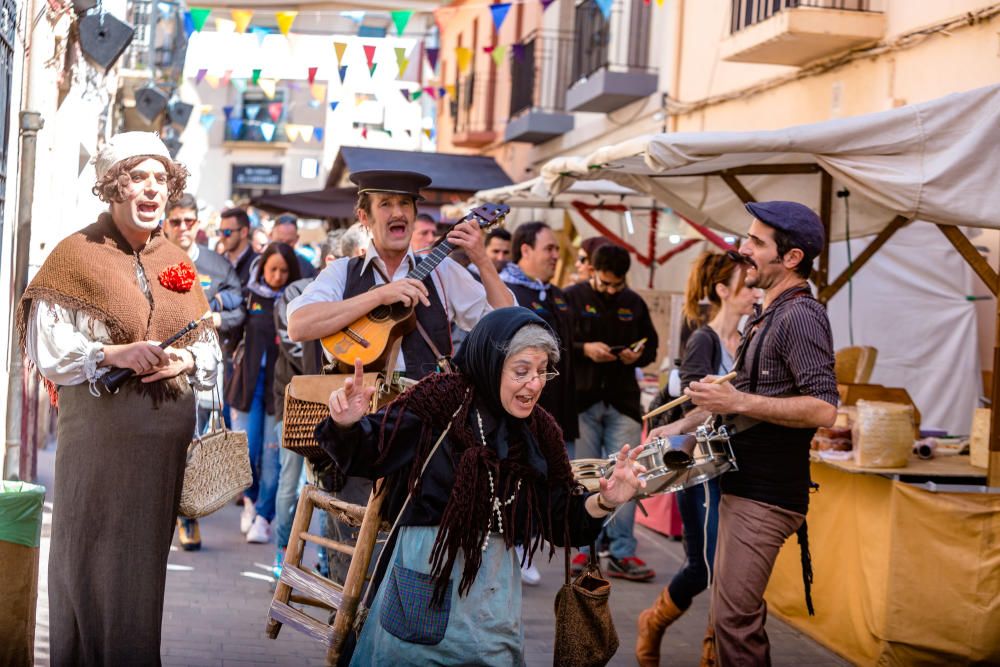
(854, 365)
(300, 586)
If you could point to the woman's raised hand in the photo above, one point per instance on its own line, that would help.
(624, 482)
(350, 403)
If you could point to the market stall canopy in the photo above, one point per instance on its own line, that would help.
(937, 161)
(320, 204)
(448, 172)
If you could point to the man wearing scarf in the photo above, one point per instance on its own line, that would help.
(105, 297)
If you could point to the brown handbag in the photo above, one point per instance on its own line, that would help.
(585, 631)
(306, 398)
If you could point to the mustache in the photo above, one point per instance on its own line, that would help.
(740, 259)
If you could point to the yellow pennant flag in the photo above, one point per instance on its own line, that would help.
(213, 80)
(285, 21)
(427, 133)
(306, 133)
(241, 19)
(400, 58)
(500, 51)
(450, 89)
(224, 25)
(464, 57)
(268, 86)
(291, 131)
(318, 91)
(659, 2)
(340, 47)
(402, 66)
(358, 100)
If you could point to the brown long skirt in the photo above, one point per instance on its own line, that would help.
(119, 470)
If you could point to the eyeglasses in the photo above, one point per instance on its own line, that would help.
(582, 259)
(176, 222)
(609, 285)
(226, 233)
(525, 378)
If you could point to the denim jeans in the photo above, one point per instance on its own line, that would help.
(289, 485)
(603, 431)
(259, 427)
(270, 470)
(699, 543)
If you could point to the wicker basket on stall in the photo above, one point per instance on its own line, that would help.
(306, 406)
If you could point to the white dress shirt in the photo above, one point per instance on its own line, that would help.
(463, 297)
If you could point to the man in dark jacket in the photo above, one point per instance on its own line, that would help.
(286, 230)
(613, 336)
(234, 228)
(225, 297)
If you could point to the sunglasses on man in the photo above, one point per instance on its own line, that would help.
(226, 233)
(186, 221)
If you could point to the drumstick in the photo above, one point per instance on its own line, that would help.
(684, 399)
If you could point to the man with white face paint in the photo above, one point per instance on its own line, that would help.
(105, 297)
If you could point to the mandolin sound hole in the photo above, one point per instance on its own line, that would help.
(380, 313)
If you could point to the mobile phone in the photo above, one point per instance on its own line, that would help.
(617, 349)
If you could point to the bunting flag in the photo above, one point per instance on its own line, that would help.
(546, 3)
(207, 120)
(312, 75)
(402, 67)
(292, 132)
(274, 111)
(268, 86)
(318, 91)
(400, 18)
(200, 76)
(188, 25)
(464, 57)
(659, 2)
(401, 58)
(333, 105)
(388, 133)
(488, 49)
(498, 53)
(213, 80)
(251, 111)
(408, 133)
(370, 55)
(415, 95)
(371, 70)
(605, 7)
(306, 133)
(340, 47)
(450, 90)
(226, 76)
(259, 33)
(314, 104)
(224, 25)
(343, 73)
(499, 12)
(427, 133)
(441, 92)
(240, 85)
(198, 17)
(364, 133)
(518, 50)
(241, 19)
(318, 133)
(235, 127)
(228, 110)
(405, 93)
(285, 21)
(267, 129)
(255, 76)
(432, 57)
(430, 91)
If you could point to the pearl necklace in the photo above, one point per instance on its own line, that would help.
(496, 505)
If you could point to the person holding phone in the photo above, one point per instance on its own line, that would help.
(607, 315)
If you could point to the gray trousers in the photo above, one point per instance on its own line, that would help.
(750, 535)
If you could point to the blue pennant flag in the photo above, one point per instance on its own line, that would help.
(605, 7)
(207, 120)
(333, 106)
(499, 12)
(188, 24)
(259, 33)
(228, 111)
(343, 72)
(267, 129)
(318, 133)
(235, 127)
(251, 111)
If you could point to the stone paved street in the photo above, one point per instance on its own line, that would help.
(217, 599)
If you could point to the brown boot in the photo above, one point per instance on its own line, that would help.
(652, 623)
(708, 648)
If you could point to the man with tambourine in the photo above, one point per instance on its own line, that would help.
(784, 389)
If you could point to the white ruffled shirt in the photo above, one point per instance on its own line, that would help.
(67, 346)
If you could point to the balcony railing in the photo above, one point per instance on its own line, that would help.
(473, 116)
(619, 42)
(539, 72)
(746, 13)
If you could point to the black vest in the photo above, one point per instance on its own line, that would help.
(419, 358)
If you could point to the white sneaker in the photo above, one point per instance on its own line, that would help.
(529, 573)
(260, 531)
(247, 515)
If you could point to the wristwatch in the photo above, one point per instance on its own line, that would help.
(607, 508)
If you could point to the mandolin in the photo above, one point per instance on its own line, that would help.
(373, 336)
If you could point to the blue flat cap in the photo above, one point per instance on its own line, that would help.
(795, 219)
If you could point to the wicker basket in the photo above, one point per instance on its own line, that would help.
(218, 468)
(306, 398)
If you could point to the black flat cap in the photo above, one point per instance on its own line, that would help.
(795, 219)
(386, 180)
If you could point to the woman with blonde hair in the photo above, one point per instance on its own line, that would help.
(715, 301)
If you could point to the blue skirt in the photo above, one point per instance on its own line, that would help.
(480, 628)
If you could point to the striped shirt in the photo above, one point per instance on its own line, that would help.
(791, 346)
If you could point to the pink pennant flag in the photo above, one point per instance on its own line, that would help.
(370, 54)
(430, 91)
(274, 111)
(312, 75)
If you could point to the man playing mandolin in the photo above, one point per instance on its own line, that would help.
(349, 289)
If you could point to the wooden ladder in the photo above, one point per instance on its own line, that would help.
(318, 591)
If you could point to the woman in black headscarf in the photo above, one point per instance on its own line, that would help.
(451, 593)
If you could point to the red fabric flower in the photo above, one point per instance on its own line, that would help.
(178, 278)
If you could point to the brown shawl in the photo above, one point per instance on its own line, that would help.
(94, 271)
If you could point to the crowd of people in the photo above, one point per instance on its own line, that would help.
(516, 376)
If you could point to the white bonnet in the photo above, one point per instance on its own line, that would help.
(125, 145)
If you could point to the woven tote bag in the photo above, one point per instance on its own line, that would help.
(585, 633)
(218, 468)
